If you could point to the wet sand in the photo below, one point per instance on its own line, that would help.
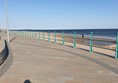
(97, 42)
(100, 45)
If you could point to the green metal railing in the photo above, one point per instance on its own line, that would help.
(43, 36)
(55, 37)
(91, 37)
(74, 41)
(48, 36)
(39, 36)
(63, 40)
(71, 38)
(116, 55)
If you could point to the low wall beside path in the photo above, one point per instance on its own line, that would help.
(6, 57)
(4, 52)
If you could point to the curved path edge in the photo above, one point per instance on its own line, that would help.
(6, 58)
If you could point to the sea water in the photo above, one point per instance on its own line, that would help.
(100, 33)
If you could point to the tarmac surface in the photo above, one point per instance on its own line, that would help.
(41, 61)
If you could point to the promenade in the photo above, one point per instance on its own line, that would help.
(45, 62)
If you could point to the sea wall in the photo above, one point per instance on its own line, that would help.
(4, 53)
(6, 58)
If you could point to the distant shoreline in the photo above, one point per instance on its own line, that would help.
(102, 42)
(105, 33)
(101, 38)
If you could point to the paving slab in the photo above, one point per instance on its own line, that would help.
(45, 62)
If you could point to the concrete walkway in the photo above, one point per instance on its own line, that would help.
(44, 62)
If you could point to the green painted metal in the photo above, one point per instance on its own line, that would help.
(25, 34)
(91, 44)
(116, 55)
(55, 37)
(48, 36)
(63, 41)
(39, 36)
(74, 40)
(22, 33)
(34, 34)
(30, 34)
(43, 36)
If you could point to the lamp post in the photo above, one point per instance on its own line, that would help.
(7, 22)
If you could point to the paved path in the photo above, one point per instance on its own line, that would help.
(44, 62)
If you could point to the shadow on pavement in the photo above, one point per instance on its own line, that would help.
(13, 39)
(27, 81)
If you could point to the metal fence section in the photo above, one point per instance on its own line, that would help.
(74, 39)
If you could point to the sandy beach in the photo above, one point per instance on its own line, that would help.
(97, 42)
(100, 45)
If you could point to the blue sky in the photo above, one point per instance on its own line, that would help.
(60, 14)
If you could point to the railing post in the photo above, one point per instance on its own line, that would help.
(30, 34)
(43, 36)
(48, 36)
(63, 38)
(39, 36)
(23, 33)
(55, 37)
(116, 55)
(74, 41)
(91, 37)
(34, 34)
(26, 33)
